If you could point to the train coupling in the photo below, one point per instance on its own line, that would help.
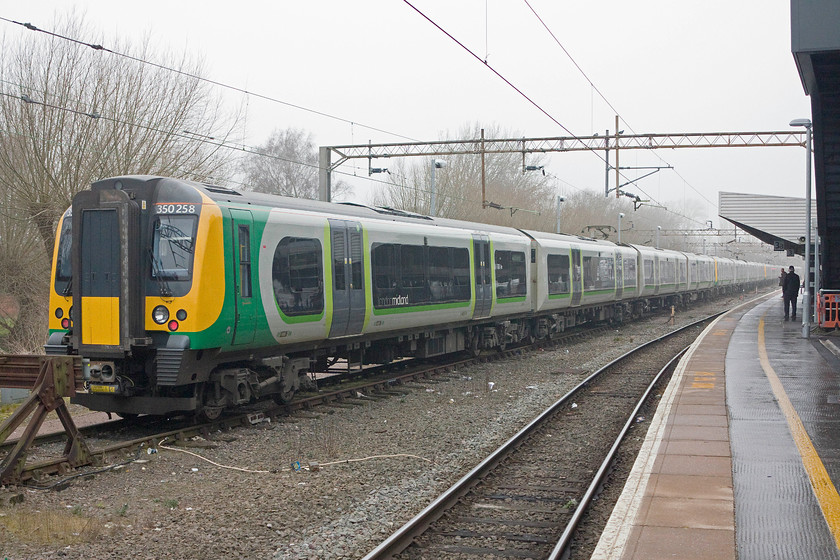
(100, 372)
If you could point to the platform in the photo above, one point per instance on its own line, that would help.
(742, 459)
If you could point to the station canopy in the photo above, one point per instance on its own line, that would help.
(777, 220)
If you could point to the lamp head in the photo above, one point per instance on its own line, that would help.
(621, 214)
(801, 122)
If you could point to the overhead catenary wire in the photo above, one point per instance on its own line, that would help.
(250, 150)
(513, 86)
(607, 101)
(217, 83)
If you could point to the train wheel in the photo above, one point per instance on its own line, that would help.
(210, 413)
(209, 410)
(473, 348)
(284, 396)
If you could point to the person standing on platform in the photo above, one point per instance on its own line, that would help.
(782, 278)
(790, 292)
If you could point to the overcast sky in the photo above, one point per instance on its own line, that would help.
(665, 66)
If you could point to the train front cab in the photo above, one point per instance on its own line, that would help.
(132, 258)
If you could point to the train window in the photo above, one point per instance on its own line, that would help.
(244, 261)
(63, 272)
(297, 276)
(440, 274)
(355, 260)
(510, 274)
(384, 268)
(649, 278)
(461, 274)
(558, 274)
(172, 247)
(606, 272)
(417, 274)
(629, 272)
(339, 260)
(667, 272)
(598, 272)
(412, 267)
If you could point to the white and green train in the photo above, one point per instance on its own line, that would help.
(187, 297)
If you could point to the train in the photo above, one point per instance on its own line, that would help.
(190, 298)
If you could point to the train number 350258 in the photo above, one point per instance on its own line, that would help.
(176, 208)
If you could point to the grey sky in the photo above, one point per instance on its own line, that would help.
(687, 66)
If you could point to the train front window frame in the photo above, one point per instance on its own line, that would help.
(173, 246)
(63, 262)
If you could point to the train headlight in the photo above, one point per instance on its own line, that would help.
(160, 314)
(59, 313)
(181, 314)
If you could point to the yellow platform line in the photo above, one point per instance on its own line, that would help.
(824, 489)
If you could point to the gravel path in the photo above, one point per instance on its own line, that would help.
(380, 463)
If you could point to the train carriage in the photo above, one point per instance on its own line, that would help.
(186, 297)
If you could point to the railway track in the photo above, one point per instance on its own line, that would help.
(338, 390)
(526, 499)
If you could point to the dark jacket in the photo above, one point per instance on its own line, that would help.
(790, 289)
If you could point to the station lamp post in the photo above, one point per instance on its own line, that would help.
(806, 311)
(620, 215)
(436, 164)
(816, 272)
(560, 200)
(658, 229)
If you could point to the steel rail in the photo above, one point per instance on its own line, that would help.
(405, 535)
(387, 381)
(565, 539)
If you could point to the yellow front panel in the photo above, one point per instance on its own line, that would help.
(203, 303)
(101, 320)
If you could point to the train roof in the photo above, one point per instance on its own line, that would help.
(349, 209)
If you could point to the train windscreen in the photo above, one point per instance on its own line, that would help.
(172, 246)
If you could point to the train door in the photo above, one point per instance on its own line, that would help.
(107, 282)
(483, 276)
(577, 277)
(619, 275)
(348, 315)
(245, 321)
(100, 289)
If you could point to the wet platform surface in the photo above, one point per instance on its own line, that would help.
(742, 459)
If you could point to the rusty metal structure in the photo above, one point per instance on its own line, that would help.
(51, 378)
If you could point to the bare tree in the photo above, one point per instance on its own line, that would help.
(24, 278)
(526, 198)
(70, 115)
(287, 165)
(591, 214)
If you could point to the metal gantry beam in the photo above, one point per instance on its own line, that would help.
(595, 143)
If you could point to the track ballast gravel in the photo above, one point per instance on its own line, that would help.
(380, 462)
